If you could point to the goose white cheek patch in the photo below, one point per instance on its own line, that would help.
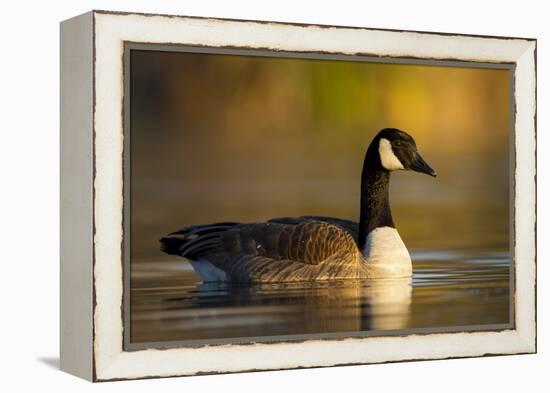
(387, 157)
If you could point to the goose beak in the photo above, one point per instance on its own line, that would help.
(419, 165)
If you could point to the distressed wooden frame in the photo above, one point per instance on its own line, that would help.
(92, 194)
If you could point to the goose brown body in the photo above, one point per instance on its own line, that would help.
(284, 249)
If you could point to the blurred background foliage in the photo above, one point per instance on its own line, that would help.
(246, 138)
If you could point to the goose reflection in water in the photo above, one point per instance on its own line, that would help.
(214, 310)
(329, 306)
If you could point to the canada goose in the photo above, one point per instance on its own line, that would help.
(312, 247)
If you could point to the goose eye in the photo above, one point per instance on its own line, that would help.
(398, 144)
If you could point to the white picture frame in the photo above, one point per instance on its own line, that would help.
(92, 194)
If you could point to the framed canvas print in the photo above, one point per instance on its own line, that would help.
(244, 195)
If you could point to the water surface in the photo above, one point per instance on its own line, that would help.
(449, 288)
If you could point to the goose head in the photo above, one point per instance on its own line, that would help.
(393, 149)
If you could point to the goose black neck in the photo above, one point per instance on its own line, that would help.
(375, 199)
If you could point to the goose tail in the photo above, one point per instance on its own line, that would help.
(194, 240)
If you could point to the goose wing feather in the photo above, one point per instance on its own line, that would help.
(310, 242)
(274, 251)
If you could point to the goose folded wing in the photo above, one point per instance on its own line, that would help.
(309, 242)
(281, 251)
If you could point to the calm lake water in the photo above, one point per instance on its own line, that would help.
(449, 288)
